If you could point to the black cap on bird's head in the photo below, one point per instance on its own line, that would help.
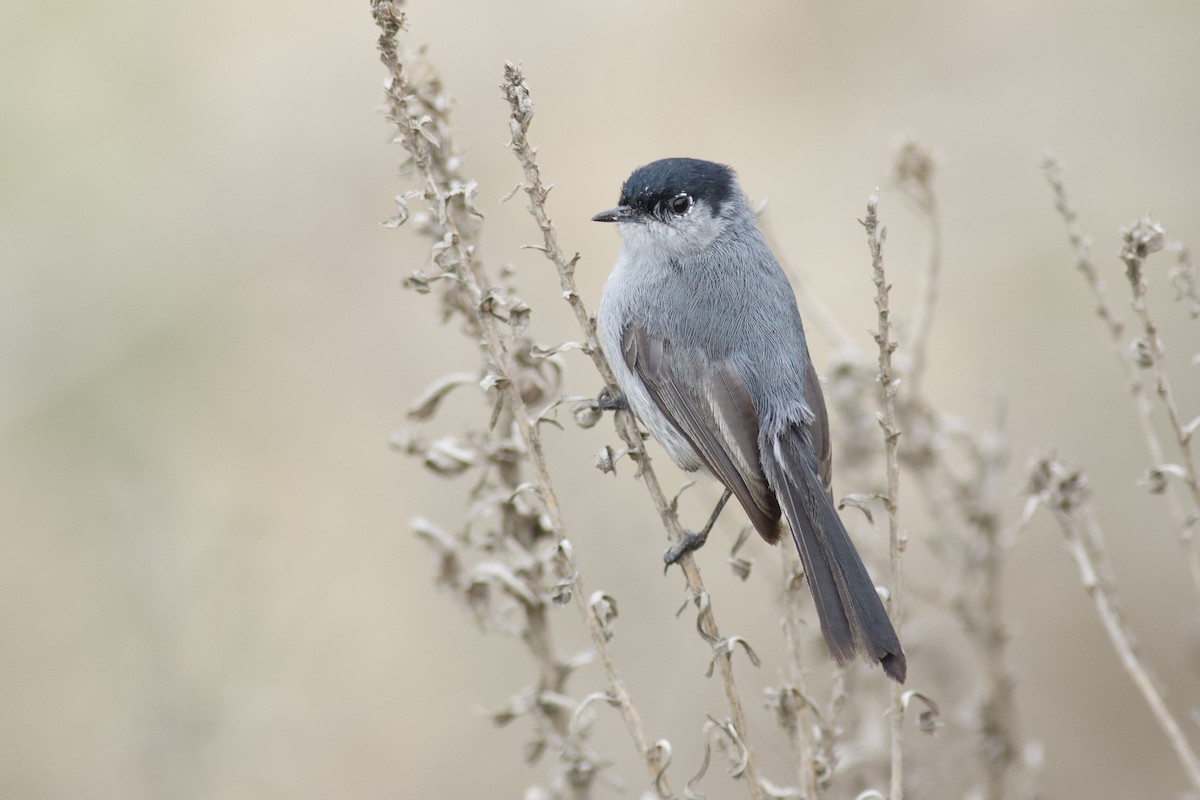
(670, 187)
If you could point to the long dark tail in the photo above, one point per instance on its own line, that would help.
(852, 616)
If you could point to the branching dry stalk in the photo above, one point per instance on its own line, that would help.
(1185, 522)
(1139, 240)
(960, 504)
(959, 474)
(496, 319)
(876, 236)
(972, 543)
(1064, 492)
(968, 535)
(980, 496)
(516, 91)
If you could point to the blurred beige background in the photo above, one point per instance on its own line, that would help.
(208, 587)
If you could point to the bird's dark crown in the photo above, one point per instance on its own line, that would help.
(659, 181)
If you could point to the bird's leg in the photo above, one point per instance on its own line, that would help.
(606, 401)
(693, 541)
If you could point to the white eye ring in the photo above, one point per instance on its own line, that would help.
(680, 204)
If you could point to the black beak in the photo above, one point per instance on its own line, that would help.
(618, 214)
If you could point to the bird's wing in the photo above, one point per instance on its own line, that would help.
(709, 404)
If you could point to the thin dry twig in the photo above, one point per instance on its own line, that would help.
(889, 385)
(521, 105)
(793, 709)
(1064, 492)
(1080, 244)
(522, 110)
(998, 724)
(1139, 240)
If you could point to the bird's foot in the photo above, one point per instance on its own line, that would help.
(609, 402)
(689, 543)
(694, 541)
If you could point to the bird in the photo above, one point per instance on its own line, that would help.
(701, 328)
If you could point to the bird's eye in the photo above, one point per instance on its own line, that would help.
(680, 204)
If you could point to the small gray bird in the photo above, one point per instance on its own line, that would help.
(702, 330)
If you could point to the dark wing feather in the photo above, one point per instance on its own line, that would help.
(709, 405)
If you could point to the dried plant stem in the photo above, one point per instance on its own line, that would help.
(998, 725)
(876, 235)
(971, 500)
(971, 504)
(979, 606)
(1142, 238)
(1116, 332)
(957, 503)
(652, 755)
(796, 703)
(451, 204)
(1064, 492)
(517, 93)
